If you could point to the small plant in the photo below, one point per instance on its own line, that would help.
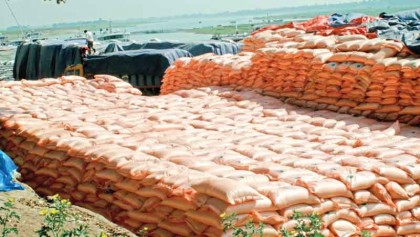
(56, 217)
(365, 233)
(143, 232)
(249, 229)
(301, 229)
(7, 208)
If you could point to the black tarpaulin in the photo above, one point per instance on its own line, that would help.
(21, 60)
(69, 55)
(32, 68)
(151, 62)
(195, 49)
(218, 48)
(49, 55)
(45, 59)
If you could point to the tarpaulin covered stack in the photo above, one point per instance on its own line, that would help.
(45, 59)
(195, 49)
(142, 68)
(402, 26)
(351, 74)
(151, 62)
(174, 163)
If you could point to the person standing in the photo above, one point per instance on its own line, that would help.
(89, 38)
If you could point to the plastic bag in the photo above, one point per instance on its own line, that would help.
(7, 168)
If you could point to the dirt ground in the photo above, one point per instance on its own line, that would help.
(28, 205)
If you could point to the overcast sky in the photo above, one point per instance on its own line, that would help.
(39, 12)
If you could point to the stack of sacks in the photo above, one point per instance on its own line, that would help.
(285, 72)
(255, 42)
(356, 75)
(292, 38)
(320, 25)
(343, 78)
(409, 86)
(401, 26)
(315, 24)
(174, 163)
(210, 69)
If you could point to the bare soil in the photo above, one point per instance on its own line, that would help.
(28, 206)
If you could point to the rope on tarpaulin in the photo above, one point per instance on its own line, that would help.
(14, 16)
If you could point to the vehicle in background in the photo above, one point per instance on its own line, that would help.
(11, 45)
(16, 43)
(3, 39)
(6, 45)
(34, 36)
(230, 38)
(118, 36)
(77, 40)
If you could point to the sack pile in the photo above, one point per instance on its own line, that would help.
(400, 26)
(175, 163)
(336, 24)
(351, 74)
(295, 38)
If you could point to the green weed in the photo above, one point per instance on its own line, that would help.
(9, 215)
